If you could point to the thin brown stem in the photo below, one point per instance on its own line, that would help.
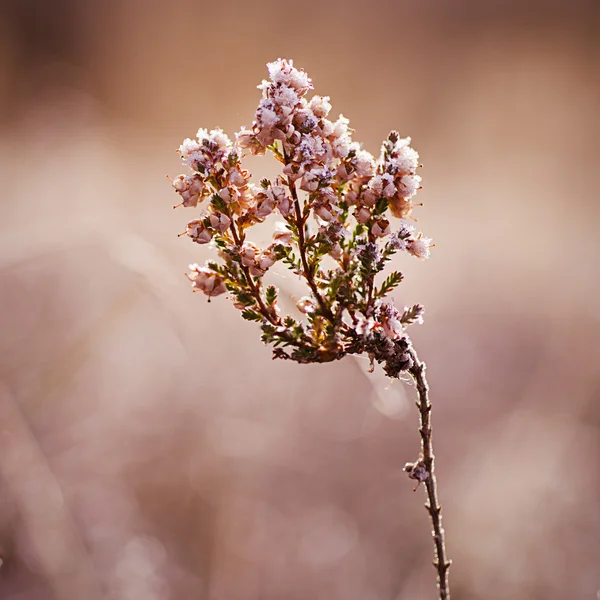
(441, 562)
(300, 222)
(268, 314)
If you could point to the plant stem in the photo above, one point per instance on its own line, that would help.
(300, 222)
(255, 291)
(302, 248)
(441, 562)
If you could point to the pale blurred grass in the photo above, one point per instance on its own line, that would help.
(151, 449)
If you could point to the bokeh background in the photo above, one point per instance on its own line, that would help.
(149, 447)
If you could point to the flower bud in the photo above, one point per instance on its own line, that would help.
(381, 228)
(325, 212)
(340, 127)
(247, 139)
(326, 128)
(364, 164)
(389, 190)
(206, 280)
(295, 138)
(255, 271)
(265, 208)
(190, 187)
(179, 183)
(306, 305)
(343, 173)
(196, 185)
(389, 318)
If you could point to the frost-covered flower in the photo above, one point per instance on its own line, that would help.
(206, 151)
(408, 185)
(320, 106)
(283, 72)
(420, 247)
(389, 317)
(364, 163)
(190, 151)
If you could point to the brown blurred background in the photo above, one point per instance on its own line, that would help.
(149, 447)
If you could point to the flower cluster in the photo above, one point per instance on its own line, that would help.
(342, 217)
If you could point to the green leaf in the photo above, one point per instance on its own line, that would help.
(251, 315)
(271, 295)
(381, 206)
(218, 203)
(412, 314)
(390, 282)
(246, 299)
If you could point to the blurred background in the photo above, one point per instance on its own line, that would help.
(149, 447)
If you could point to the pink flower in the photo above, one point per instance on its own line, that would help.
(283, 72)
(320, 106)
(381, 228)
(220, 221)
(362, 215)
(206, 280)
(419, 247)
(198, 232)
(190, 188)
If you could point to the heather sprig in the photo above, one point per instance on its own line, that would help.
(342, 217)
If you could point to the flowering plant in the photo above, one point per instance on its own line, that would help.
(343, 217)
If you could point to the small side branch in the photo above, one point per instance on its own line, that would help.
(300, 221)
(424, 470)
(264, 311)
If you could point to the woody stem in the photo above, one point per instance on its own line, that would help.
(441, 562)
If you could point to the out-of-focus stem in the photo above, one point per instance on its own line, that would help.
(441, 562)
